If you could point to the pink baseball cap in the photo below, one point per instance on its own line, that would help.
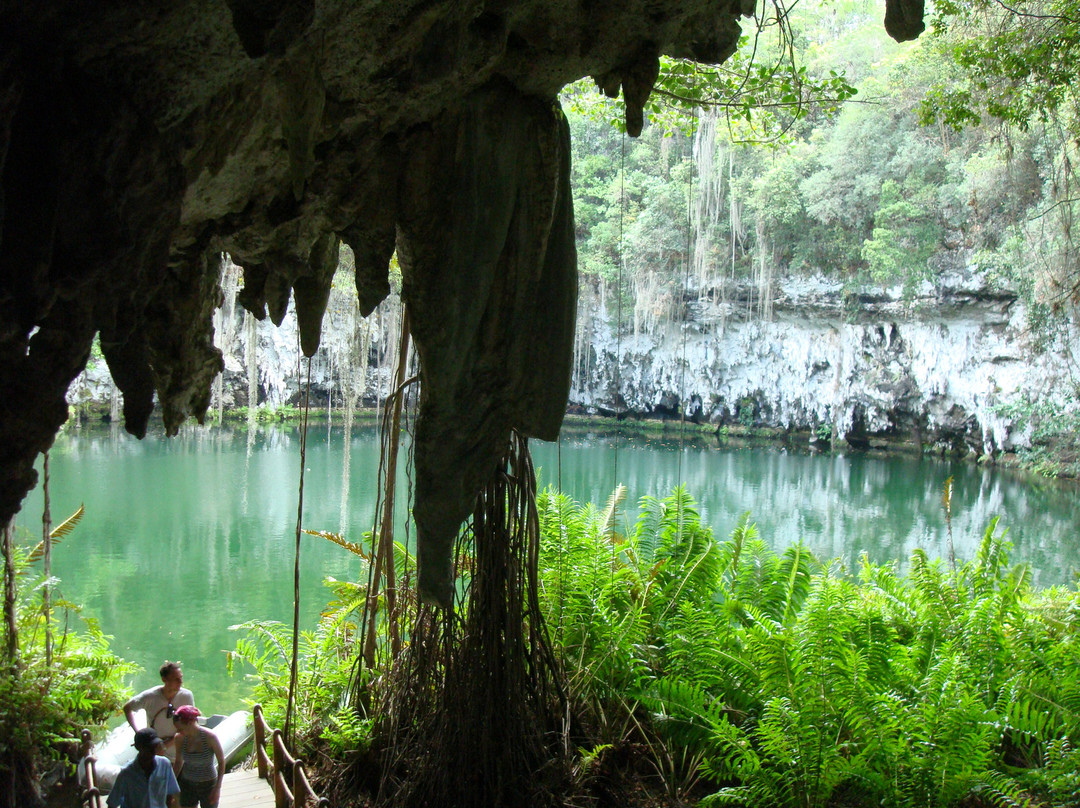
(187, 713)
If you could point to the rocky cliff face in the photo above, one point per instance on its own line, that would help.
(933, 367)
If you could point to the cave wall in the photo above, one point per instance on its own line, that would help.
(139, 141)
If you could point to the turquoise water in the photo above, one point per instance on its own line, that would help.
(185, 537)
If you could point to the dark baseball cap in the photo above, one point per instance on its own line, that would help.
(146, 738)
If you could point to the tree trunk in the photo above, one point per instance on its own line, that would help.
(11, 632)
(46, 538)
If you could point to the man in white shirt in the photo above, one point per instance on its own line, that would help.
(148, 781)
(160, 702)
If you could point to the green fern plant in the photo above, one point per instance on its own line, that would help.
(794, 684)
(325, 663)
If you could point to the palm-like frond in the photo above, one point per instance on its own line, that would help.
(610, 516)
(340, 541)
(57, 534)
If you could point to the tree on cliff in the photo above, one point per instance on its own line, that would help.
(1019, 64)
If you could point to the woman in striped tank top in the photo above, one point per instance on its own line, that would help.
(200, 761)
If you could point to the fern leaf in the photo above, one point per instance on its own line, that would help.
(57, 534)
(340, 541)
(610, 515)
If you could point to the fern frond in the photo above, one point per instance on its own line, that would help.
(610, 515)
(999, 790)
(57, 534)
(648, 530)
(744, 531)
(340, 541)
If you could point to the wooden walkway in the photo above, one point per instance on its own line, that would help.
(261, 787)
(242, 788)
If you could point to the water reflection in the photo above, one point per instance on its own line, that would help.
(184, 537)
(839, 505)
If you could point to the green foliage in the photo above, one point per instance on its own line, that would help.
(860, 191)
(286, 412)
(787, 682)
(1058, 781)
(1055, 434)
(1016, 62)
(347, 731)
(326, 657)
(903, 239)
(42, 706)
(768, 678)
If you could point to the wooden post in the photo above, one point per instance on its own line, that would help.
(260, 741)
(298, 782)
(282, 796)
(90, 795)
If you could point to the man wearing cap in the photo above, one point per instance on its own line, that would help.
(160, 702)
(148, 781)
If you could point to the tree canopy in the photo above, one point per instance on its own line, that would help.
(824, 147)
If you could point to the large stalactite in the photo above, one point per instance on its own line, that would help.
(490, 279)
(138, 141)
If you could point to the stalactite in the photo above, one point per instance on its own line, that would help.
(219, 396)
(379, 358)
(329, 391)
(251, 361)
(217, 391)
(653, 303)
(736, 229)
(363, 361)
(225, 323)
(582, 342)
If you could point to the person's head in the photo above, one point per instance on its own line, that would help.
(171, 677)
(186, 717)
(147, 743)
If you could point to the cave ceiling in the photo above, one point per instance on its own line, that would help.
(139, 140)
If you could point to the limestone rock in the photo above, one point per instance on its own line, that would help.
(140, 141)
(490, 278)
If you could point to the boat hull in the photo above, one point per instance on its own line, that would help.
(115, 751)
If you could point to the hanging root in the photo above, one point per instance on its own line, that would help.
(474, 706)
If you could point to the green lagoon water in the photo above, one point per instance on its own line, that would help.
(185, 537)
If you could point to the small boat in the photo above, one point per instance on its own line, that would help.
(115, 751)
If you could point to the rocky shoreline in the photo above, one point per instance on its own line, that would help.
(950, 369)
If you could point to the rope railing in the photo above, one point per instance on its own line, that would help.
(285, 773)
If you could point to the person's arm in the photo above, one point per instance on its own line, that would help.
(129, 708)
(219, 753)
(178, 760)
(116, 796)
(172, 789)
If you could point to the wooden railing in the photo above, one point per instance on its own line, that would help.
(90, 795)
(286, 774)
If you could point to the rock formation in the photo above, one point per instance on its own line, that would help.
(139, 141)
(939, 366)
